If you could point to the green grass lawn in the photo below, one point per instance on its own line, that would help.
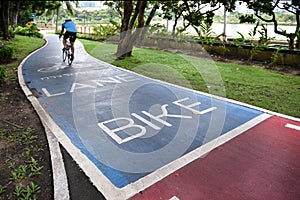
(252, 85)
(23, 45)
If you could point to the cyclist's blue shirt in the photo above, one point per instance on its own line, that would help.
(69, 26)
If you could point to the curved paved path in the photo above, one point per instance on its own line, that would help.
(139, 138)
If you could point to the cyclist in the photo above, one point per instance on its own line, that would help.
(71, 31)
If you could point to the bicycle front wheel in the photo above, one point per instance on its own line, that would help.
(65, 55)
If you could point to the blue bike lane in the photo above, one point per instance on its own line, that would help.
(126, 131)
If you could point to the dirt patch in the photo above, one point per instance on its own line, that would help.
(25, 160)
(4, 145)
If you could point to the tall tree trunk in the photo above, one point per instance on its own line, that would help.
(225, 24)
(122, 45)
(175, 24)
(141, 22)
(4, 19)
(14, 13)
(298, 27)
(127, 38)
(57, 15)
(291, 41)
(146, 27)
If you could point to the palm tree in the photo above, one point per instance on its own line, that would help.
(70, 9)
(55, 7)
(225, 23)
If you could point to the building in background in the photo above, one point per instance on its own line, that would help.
(241, 7)
(90, 5)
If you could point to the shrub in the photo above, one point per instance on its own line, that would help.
(105, 31)
(28, 31)
(11, 31)
(6, 52)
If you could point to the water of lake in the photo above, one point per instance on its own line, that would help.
(233, 29)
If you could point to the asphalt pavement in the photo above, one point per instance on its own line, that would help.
(115, 134)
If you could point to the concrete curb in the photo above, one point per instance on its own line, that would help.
(60, 183)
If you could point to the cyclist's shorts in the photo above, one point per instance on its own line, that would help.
(70, 35)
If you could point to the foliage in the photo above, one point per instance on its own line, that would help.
(2, 189)
(275, 57)
(264, 38)
(241, 40)
(24, 171)
(265, 10)
(205, 30)
(157, 28)
(255, 49)
(6, 52)
(22, 46)
(12, 31)
(104, 31)
(133, 13)
(90, 37)
(18, 12)
(246, 18)
(28, 31)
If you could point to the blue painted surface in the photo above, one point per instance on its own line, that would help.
(115, 94)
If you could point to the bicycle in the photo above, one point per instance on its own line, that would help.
(67, 52)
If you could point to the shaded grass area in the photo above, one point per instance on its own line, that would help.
(253, 85)
(22, 45)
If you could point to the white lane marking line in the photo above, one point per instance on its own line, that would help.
(174, 198)
(292, 126)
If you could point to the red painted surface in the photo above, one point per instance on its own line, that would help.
(261, 163)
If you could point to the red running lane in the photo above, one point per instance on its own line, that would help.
(261, 163)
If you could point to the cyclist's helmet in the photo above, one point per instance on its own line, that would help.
(68, 19)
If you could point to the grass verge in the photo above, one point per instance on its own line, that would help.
(22, 45)
(253, 85)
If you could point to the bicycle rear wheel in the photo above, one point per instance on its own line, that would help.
(70, 58)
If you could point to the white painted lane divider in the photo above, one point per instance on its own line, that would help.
(292, 126)
(174, 198)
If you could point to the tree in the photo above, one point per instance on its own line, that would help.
(173, 10)
(4, 22)
(199, 14)
(132, 22)
(127, 36)
(9, 11)
(56, 7)
(147, 24)
(193, 13)
(15, 12)
(268, 8)
(12, 11)
(133, 15)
